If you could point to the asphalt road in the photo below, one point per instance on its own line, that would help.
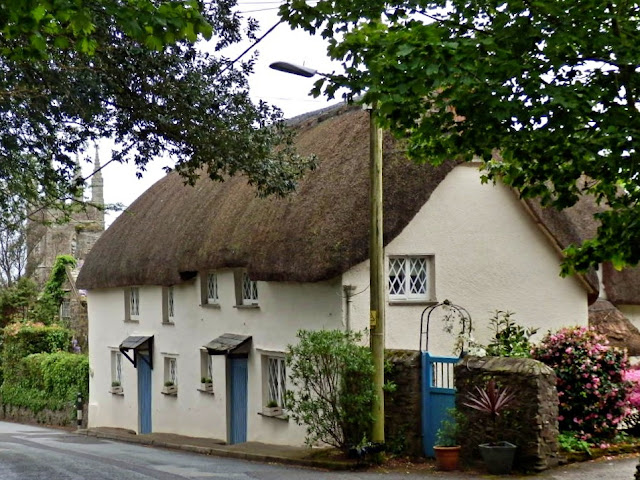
(28, 452)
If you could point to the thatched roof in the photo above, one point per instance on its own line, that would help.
(315, 234)
(610, 322)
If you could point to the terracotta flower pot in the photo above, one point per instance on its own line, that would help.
(447, 458)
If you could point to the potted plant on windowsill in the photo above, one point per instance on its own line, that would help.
(447, 447)
(206, 384)
(271, 409)
(116, 388)
(170, 388)
(497, 454)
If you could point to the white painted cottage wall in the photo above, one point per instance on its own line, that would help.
(489, 255)
(284, 309)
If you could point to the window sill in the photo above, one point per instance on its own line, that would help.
(131, 320)
(208, 392)
(425, 303)
(253, 306)
(283, 417)
(170, 324)
(211, 305)
(116, 391)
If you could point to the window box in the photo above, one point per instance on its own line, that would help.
(272, 411)
(170, 389)
(116, 389)
(206, 385)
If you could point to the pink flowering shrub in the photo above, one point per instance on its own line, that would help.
(592, 392)
(632, 375)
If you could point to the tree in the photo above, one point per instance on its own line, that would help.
(72, 72)
(333, 388)
(544, 93)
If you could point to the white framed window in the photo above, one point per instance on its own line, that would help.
(276, 381)
(212, 288)
(116, 368)
(206, 365)
(411, 278)
(249, 290)
(209, 294)
(65, 309)
(132, 303)
(168, 305)
(171, 370)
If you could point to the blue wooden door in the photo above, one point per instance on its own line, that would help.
(144, 393)
(237, 400)
(438, 396)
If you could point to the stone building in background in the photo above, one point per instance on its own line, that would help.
(47, 239)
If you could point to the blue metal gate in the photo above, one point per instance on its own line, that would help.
(438, 395)
(438, 383)
(144, 392)
(238, 400)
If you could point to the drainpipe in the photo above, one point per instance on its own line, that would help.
(348, 293)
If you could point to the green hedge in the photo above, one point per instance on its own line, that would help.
(47, 381)
(38, 371)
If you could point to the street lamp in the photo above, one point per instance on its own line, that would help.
(376, 256)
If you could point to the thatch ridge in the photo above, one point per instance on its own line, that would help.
(315, 234)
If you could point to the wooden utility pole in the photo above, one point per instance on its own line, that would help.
(376, 279)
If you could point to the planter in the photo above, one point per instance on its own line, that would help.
(447, 458)
(170, 390)
(271, 411)
(116, 390)
(206, 387)
(498, 456)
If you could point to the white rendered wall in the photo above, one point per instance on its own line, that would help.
(489, 255)
(284, 309)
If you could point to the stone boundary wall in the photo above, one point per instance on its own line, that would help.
(531, 422)
(402, 407)
(58, 418)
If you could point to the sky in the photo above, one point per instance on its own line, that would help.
(289, 92)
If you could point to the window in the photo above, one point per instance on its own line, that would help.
(65, 309)
(212, 288)
(249, 290)
(206, 366)
(276, 380)
(171, 370)
(132, 303)
(116, 368)
(411, 278)
(209, 289)
(168, 305)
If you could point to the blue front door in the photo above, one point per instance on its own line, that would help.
(237, 400)
(144, 392)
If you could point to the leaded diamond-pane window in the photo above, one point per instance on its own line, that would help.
(212, 288)
(173, 371)
(170, 303)
(249, 290)
(396, 276)
(277, 375)
(134, 302)
(409, 278)
(116, 367)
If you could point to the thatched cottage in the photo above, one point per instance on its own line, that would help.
(212, 282)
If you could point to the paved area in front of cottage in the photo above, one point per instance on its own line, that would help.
(29, 452)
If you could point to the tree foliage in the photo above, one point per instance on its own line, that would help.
(71, 72)
(544, 93)
(332, 376)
